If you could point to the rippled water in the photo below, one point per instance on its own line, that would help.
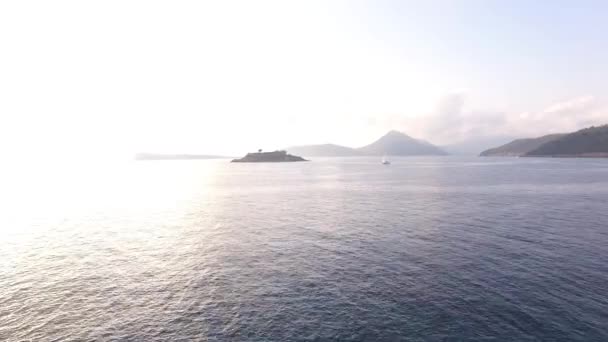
(427, 249)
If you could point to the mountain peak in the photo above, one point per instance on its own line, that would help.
(399, 143)
(392, 143)
(395, 133)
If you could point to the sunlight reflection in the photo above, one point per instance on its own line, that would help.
(38, 194)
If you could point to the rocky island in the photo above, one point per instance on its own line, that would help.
(268, 157)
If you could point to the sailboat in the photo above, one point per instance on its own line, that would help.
(385, 161)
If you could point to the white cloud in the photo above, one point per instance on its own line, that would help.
(560, 117)
(453, 122)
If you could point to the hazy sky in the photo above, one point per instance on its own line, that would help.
(117, 77)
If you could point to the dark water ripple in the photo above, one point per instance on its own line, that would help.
(428, 249)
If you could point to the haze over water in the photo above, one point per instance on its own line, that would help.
(433, 249)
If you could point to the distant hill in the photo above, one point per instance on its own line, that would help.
(158, 156)
(399, 144)
(519, 147)
(324, 150)
(588, 142)
(393, 143)
(475, 145)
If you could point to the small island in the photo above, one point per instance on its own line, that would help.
(268, 157)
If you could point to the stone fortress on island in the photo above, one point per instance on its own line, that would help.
(268, 157)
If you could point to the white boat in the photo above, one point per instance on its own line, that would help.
(385, 161)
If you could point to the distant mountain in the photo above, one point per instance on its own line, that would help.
(519, 147)
(474, 146)
(393, 143)
(588, 142)
(399, 144)
(324, 150)
(158, 156)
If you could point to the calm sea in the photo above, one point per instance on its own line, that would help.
(426, 249)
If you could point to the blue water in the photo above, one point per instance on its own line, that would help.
(426, 249)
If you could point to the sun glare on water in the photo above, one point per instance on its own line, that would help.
(37, 193)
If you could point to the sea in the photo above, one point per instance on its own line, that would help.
(335, 249)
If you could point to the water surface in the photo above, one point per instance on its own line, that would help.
(426, 249)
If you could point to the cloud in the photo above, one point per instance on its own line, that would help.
(564, 116)
(453, 122)
(576, 104)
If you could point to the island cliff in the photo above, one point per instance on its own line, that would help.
(268, 157)
(590, 142)
(520, 147)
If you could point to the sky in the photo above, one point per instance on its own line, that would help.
(112, 78)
